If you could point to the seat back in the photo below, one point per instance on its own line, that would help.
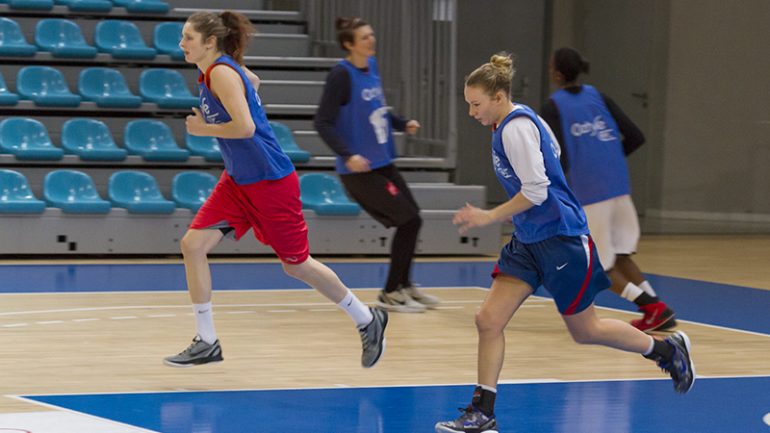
(14, 186)
(133, 187)
(45, 5)
(190, 189)
(86, 134)
(56, 32)
(6, 96)
(286, 140)
(10, 33)
(69, 186)
(12, 40)
(21, 133)
(162, 83)
(148, 135)
(166, 38)
(33, 81)
(158, 6)
(322, 188)
(97, 82)
(112, 34)
(207, 147)
(324, 194)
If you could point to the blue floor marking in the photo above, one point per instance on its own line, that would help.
(712, 406)
(699, 301)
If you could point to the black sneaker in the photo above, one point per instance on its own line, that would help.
(199, 352)
(373, 338)
(471, 421)
(680, 366)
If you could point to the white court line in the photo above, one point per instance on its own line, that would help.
(123, 317)
(532, 299)
(405, 385)
(64, 409)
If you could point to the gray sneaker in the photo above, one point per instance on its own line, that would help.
(399, 301)
(199, 352)
(373, 338)
(429, 301)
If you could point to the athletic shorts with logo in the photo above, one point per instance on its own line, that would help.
(272, 208)
(567, 266)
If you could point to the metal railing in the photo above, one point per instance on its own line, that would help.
(416, 46)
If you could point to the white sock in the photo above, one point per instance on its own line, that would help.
(356, 310)
(631, 292)
(488, 388)
(652, 346)
(204, 321)
(645, 285)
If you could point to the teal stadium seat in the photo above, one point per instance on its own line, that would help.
(207, 147)
(15, 195)
(167, 88)
(62, 38)
(138, 192)
(107, 88)
(287, 143)
(27, 139)
(45, 86)
(166, 38)
(6, 96)
(91, 140)
(73, 192)
(153, 141)
(122, 39)
(86, 5)
(143, 6)
(190, 189)
(41, 5)
(324, 194)
(12, 40)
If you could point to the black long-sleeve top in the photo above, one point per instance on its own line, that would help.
(632, 136)
(336, 94)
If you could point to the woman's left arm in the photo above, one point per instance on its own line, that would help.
(227, 86)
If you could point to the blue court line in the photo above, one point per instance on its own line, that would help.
(723, 405)
(699, 301)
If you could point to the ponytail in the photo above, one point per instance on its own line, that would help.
(231, 30)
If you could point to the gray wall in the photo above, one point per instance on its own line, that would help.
(703, 66)
(485, 27)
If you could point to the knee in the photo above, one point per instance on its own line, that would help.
(298, 271)
(583, 335)
(192, 245)
(486, 323)
(412, 224)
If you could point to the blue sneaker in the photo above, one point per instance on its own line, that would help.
(680, 366)
(471, 421)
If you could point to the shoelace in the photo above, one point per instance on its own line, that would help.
(364, 340)
(190, 347)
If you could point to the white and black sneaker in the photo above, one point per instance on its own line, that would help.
(373, 338)
(429, 301)
(199, 352)
(399, 301)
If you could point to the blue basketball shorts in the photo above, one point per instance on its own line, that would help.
(567, 266)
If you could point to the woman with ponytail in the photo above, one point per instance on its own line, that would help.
(258, 190)
(550, 246)
(596, 135)
(354, 121)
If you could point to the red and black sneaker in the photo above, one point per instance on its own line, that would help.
(657, 317)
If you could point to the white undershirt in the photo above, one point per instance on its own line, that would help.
(521, 141)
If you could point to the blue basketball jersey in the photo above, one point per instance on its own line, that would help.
(597, 165)
(364, 122)
(560, 213)
(247, 160)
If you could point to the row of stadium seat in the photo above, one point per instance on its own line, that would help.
(91, 140)
(75, 192)
(63, 38)
(47, 87)
(142, 6)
